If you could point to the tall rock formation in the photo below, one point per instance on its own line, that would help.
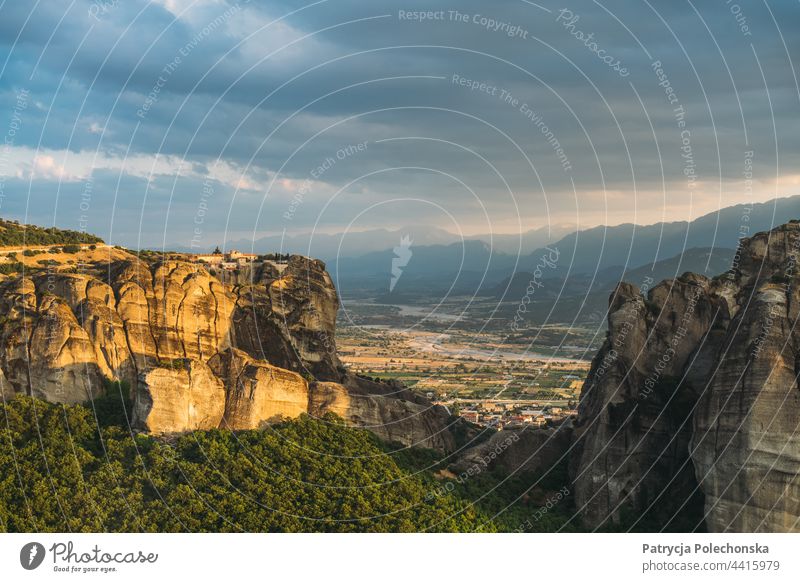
(694, 393)
(287, 316)
(198, 353)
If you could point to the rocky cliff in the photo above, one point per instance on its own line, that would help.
(198, 353)
(694, 395)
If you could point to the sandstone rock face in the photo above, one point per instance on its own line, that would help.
(172, 310)
(289, 317)
(62, 363)
(746, 446)
(631, 433)
(187, 396)
(328, 397)
(198, 353)
(257, 392)
(391, 418)
(695, 392)
(19, 310)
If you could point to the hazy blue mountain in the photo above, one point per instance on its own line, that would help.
(630, 245)
(429, 271)
(350, 244)
(439, 262)
(707, 261)
(358, 243)
(597, 257)
(527, 242)
(579, 298)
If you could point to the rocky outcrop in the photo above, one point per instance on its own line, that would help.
(294, 306)
(185, 396)
(632, 431)
(198, 353)
(745, 445)
(390, 417)
(171, 310)
(513, 451)
(256, 392)
(694, 394)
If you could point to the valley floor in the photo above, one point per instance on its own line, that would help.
(478, 370)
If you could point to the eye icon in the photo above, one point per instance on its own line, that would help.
(31, 555)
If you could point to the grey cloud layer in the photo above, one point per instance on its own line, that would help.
(369, 76)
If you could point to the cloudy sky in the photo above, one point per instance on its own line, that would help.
(170, 122)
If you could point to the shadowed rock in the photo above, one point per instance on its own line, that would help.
(695, 392)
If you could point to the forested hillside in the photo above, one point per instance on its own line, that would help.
(13, 234)
(59, 472)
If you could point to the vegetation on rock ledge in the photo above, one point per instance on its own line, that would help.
(13, 234)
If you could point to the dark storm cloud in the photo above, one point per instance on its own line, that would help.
(226, 80)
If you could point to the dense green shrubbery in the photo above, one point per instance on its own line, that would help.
(58, 472)
(278, 257)
(79, 468)
(13, 234)
(10, 268)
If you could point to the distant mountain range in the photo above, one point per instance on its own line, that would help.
(442, 263)
(329, 247)
(596, 257)
(702, 260)
(431, 270)
(633, 246)
(584, 296)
